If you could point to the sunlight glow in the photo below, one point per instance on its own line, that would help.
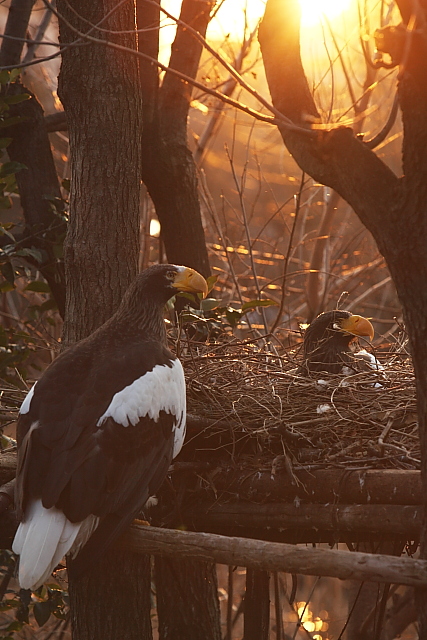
(155, 228)
(312, 11)
(234, 15)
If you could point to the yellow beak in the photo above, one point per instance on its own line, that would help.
(358, 326)
(189, 280)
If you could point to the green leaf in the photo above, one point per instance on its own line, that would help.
(185, 294)
(38, 286)
(6, 286)
(11, 167)
(208, 304)
(16, 99)
(252, 304)
(233, 316)
(14, 74)
(5, 76)
(211, 282)
(5, 202)
(66, 184)
(4, 229)
(42, 611)
(47, 306)
(4, 142)
(8, 272)
(31, 253)
(14, 120)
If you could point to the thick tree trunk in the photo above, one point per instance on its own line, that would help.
(101, 610)
(99, 88)
(393, 209)
(168, 168)
(169, 173)
(185, 605)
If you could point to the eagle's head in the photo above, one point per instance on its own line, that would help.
(328, 340)
(162, 281)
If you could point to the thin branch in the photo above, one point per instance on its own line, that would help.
(278, 119)
(382, 135)
(288, 254)
(44, 23)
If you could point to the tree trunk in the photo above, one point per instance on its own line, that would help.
(257, 605)
(37, 183)
(113, 602)
(170, 175)
(18, 18)
(168, 168)
(393, 209)
(99, 88)
(185, 605)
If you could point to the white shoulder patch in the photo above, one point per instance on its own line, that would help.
(162, 389)
(25, 406)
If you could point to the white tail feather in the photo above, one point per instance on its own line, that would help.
(43, 538)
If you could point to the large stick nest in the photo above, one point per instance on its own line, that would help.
(251, 394)
(247, 400)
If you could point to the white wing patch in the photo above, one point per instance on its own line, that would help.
(25, 406)
(162, 389)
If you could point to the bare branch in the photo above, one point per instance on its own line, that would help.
(337, 157)
(273, 556)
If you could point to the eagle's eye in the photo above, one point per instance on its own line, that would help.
(171, 275)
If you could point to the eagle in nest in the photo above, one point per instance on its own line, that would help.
(331, 344)
(97, 432)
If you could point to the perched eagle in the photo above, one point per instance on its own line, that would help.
(97, 432)
(331, 345)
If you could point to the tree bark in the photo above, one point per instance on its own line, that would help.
(306, 522)
(18, 18)
(185, 604)
(274, 556)
(101, 610)
(393, 209)
(256, 609)
(37, 183)
(168, 168)
(99, 88)
(169, 172)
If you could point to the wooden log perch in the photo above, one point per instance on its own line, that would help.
(345, 486)
(274, 556)
(379, 520)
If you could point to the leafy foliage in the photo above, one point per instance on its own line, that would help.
(49, 600)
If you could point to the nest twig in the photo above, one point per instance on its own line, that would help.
(367, 419)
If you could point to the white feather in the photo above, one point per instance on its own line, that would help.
(369, 359)
(43, 538)
(162, 389)
(25, 406)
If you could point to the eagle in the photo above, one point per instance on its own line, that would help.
(97, 432)
(331, 345)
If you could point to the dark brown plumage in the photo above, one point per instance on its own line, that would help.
(98, 431)
(330, 341)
